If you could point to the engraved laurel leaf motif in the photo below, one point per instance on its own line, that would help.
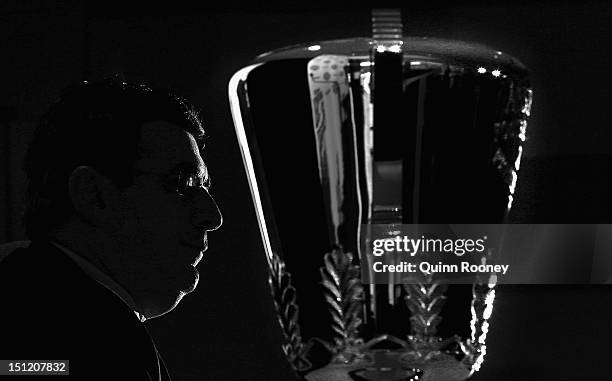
(343, 293)
(287, 311)
(425, 301)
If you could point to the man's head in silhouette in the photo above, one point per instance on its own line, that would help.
(116, 175)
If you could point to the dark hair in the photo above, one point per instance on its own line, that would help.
(95, 124)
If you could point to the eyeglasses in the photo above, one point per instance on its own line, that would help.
(185, 182)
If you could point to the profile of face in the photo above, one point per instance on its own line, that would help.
(162, 220)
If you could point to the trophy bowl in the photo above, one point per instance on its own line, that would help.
(339, 137)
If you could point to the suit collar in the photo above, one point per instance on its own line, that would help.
(101, 277)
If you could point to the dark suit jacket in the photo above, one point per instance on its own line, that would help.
(51, 310)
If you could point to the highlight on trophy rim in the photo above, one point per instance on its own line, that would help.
(385, 131)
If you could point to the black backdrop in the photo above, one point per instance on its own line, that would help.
(227, 329)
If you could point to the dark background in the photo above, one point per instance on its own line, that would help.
(227, 329)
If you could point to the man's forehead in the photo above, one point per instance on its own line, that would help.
(164, 146)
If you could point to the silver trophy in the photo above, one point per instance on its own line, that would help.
(337, 136)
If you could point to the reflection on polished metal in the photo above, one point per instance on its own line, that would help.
(339, 135)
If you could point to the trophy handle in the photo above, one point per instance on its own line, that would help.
(474, 348)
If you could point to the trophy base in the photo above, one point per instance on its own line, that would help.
(385, 365)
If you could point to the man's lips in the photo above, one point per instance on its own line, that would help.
(198, 259)
(201, 247)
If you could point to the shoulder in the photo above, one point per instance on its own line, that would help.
(43, 282)
(43, 270)
(8, 248)
(52, 309)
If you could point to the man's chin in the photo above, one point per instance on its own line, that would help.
(184, 281)
(173, 298)
(193, 282)
(188, 285)
(153, 313)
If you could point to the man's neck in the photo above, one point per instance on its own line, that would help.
(95, 248)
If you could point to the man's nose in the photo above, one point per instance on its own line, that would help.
(206, 212)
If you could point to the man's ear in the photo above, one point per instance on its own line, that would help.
(93, 197)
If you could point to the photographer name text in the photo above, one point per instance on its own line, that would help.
(432, 268)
